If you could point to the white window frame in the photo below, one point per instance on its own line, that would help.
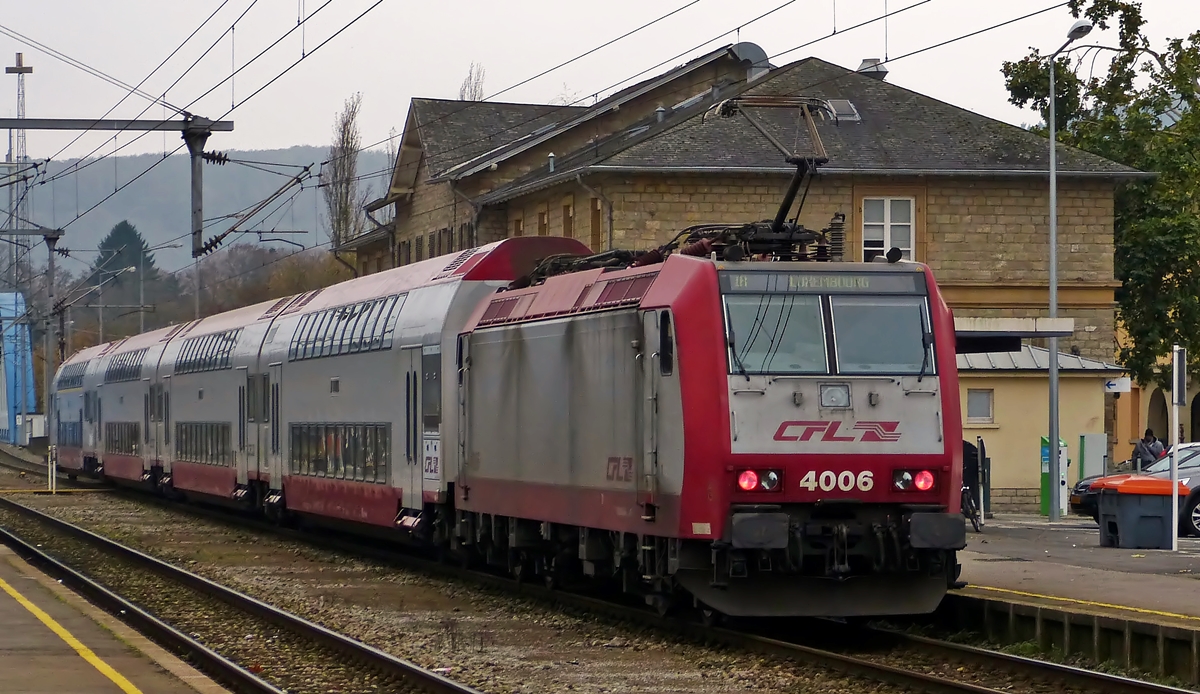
(887, 225)
(991, 416)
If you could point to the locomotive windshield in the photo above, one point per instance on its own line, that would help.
(826, 323)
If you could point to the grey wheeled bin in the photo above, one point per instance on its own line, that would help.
(1135, 513)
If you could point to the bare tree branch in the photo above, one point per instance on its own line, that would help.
(345, 218)
(472, 85)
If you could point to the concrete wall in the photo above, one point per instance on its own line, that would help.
(1020, 418)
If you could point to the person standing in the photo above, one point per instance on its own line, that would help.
(1147, 450)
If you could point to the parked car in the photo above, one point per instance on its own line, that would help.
(1085, 502)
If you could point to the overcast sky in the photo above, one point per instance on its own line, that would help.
(404, 49)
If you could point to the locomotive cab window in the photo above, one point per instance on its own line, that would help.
(776, 333)
(884, 335)
(827, 323)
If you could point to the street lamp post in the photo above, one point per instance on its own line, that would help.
(1078, 30)
(142, 282)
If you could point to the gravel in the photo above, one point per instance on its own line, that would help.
(496, 643)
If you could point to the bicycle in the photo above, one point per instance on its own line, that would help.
(969, 509)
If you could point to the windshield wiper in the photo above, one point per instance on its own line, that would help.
(926, 342)
(737, 359)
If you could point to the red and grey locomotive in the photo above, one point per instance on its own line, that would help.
(735, 419)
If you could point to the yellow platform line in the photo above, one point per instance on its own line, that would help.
(84, 652)
(1088, 603)
(36, 490)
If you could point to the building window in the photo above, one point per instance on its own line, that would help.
(887, 224)
(518, 227)
(419, 249)
(543, 225)
(597, 231)
(979, 406)
(568, 221)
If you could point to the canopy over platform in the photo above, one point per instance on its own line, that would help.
(976, 335)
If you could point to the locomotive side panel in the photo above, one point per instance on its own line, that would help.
(553, 421)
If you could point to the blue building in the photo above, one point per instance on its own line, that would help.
(16, 355)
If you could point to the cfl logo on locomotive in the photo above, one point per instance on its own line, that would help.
(866, 432)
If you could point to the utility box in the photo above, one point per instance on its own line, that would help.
(1135, 513)
(1063, 490)
(1093, 455)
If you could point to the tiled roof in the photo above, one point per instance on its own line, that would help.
(899, 132)
(1032, 359)
(455, 131)
(581, 115)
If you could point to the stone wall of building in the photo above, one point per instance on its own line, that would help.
(1015, 500)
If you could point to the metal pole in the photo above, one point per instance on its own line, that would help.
(197, 261)
(100, 306)
(1175, 451)
(141, 292)
(195, 135)
(1054, 448)
(48, 375)
(70, 326)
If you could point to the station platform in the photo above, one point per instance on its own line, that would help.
(1025, 559)
(54, 642)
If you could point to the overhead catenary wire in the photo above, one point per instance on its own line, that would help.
(146, 78)
(80, 65)
(238, 104)
(803, 90)
(589, 51)
(85, 161)
(806, 44)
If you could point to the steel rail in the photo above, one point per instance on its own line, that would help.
(383, 662)
(1088, 680)
(754, 643)
(1070, 675)
(786, 647)
(162, 633)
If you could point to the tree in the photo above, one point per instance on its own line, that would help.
(566, 97)
(123, 247)
(1140, 111)
(343, 202)
(472, 84)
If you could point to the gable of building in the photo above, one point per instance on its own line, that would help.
(677, 91)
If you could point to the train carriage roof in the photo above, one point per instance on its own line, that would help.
(503, 260)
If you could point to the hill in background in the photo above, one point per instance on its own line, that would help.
(158, 203)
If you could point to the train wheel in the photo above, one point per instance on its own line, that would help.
(661, 602)
(521, 570)
(710, 617)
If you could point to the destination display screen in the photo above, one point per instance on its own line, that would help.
(823, 282)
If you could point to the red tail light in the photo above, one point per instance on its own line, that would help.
(913, 480)
(760, 480)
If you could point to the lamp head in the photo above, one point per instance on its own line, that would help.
(1079, 29)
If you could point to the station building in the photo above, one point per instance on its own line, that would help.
(706, 142)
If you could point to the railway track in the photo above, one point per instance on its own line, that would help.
(242, 642)
(903, 660)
